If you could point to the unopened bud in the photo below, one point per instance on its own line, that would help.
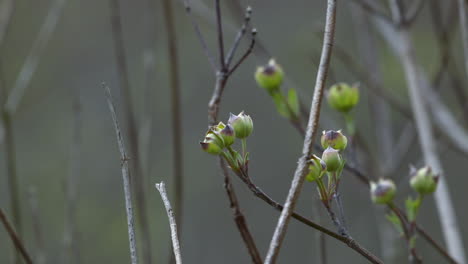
(213, 143)
(270, 76)
(343, 97)
(316, 168)
(242, 124)
(226, 132)
(424, 181)
(383, 191)
(332, 159)
(334, 139)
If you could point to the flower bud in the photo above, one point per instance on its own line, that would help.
(316, 168)
(332, 159)
(343, 97)
(424, 181)
(334, 139)
(383, 191)
(226, 132)
(212, 143)
(269, 76)
(242, 124)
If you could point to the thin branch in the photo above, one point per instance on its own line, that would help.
(176, 110)
(401, 44)
(172, 221)
(200, 37)
(6, 11)
(15, 238)
(240, 34)
(373, 8)
(346, 240)
(238, 216)
(246, 54)
(32, 60)
(131, 125)
(311, 131)
(414, 11)
(219, 28)
(125, 177)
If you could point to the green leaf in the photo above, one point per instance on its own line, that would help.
(293, 102)
(412, 207)
(395, 220)
(281, 106)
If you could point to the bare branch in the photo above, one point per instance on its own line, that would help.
(464, 30)
(32, 60)
(15, 238)
(125, 177)
(37, 228)
(240, 34)
(301, 170)
(172, 222)
(130, 125)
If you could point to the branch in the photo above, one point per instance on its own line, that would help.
(301, 170)
(14, 237)
(464, 30)
(172, 222)
(32, 60)
(125, 177)
(131, 125)
(36, 226)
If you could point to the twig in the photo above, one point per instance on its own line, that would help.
(172, 221)
(400, 42)
(346, 240)
(125, 176)
(32, 60)
(176, 111)
(414, 11)
(373, 8)
(15, 238)
(300, 173)
(6, 12)
(238, 216)
(36, 225)
(239, 36)
(131, 126)
(200, 37)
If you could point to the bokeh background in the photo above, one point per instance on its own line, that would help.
(80, 56)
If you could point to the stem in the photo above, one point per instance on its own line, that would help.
(172, 222)
(125, 177)
(244, 148)
(15, 238)
(311, 131)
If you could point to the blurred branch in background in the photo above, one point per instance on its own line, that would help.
(32, 60)
(131, 126)
(177, 130)
(39, 256)
(400, 42)
(125, 177)
(172, 222)
(15, 238)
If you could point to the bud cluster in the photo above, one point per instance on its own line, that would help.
(220, 138)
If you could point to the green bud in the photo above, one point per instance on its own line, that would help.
(269, 76)
(226, 132)
(424, 181)
(242, 124)
(334, 139)
(332, 159)
(316, 168)
(213, 143)
(383, 191)
(343, 97)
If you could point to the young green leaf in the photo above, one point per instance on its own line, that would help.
(293, 102)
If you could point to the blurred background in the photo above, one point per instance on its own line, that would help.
(79, 54)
